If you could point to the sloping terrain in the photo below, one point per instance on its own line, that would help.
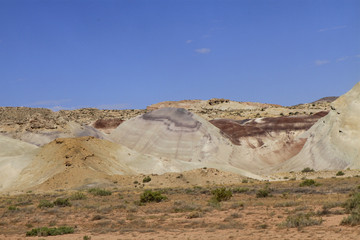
(226, 109)
(39, 126)
(334, 141)
(182, 140)
(15, 155)
(269, 141)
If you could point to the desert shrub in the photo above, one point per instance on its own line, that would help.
(353, 219)
(307, 169)
(146, 179)
(78, 196)
(240, 190)
(245, 181)
(62, 202)
(327, 206)
(194, 215)
(99, 192)
(12, 208)
(352, 203)
(221, 194)
(263, 193)
(44, 231)
(308, 182)
(301, 220)
(340, 173)
(86, 237)
(352, 206)
(151, 196)
(45, 204)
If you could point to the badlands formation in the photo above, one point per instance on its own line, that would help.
(45, 150)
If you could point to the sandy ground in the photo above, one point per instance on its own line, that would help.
(188, 213)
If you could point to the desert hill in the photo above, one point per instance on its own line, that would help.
(334, 141)
(72, 149)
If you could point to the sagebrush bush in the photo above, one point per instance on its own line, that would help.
(308, 182)
(151, 196)
(307, 169)
(263, 193)
(45, 204)
(62, 202)
(221, 194)
(146, 179)
(78, 196)
(99, 192)
(240, 190)
(352, 206)
(301, 220)
(44, 231)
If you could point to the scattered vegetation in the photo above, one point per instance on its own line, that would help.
(78, 196)
(151, 196)
(62, 202)
(221, 194)
(308, 182)
(12, 208)
(301, 220)
(45, 204)
(99, 192)
(352, 206)
(44, 231)
(146, 179)
(307, 169)
(340, 173)
(264, 192)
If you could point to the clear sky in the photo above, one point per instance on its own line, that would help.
(131, 53)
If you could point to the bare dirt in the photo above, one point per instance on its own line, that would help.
(188, 213)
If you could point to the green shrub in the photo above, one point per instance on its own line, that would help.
(78, 196)
(353, 219)
(146, 179)
(150, 196)
(301, 220)
(353, 203)
(221, 194)
(352, 206)
(62, 202)
(307, 169)
(99, 192)
(12, 208)
(44, 231)
(308, 182)
(45, 204)
(263, 193)
(340, 173)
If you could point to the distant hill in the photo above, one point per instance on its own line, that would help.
(326, 99)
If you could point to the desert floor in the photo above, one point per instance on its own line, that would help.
(189, 212)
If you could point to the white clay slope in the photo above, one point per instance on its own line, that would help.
(181, 139)
(14, 157)
(334, 141)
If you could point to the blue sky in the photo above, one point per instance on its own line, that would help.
(130, 54)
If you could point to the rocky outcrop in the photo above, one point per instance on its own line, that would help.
(334, 141)
(267, 141)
